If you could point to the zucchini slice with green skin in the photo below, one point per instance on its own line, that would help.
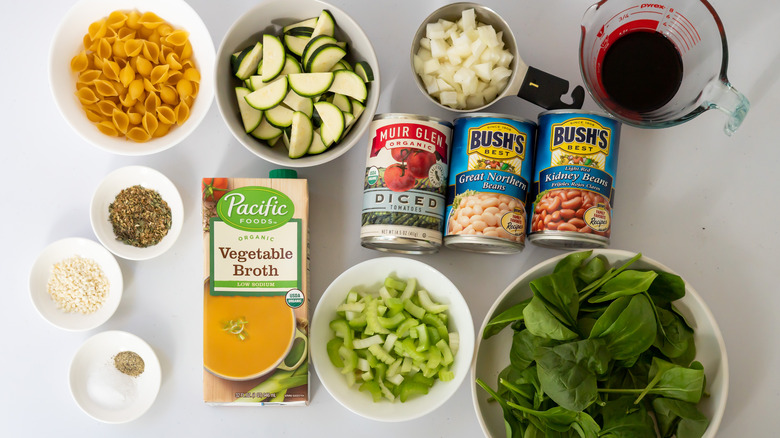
(341, 65)
(357, 108)
(343, 102)
(313, 44)
(295, 44)
(311, 84)
(309, 22)
(268, 96)
(291, 65)
(317, 145)
(273, 57)
(266, 132)
(247, 66)
(300, 31)
(326, 24)
(332, 121)
(349, 83)
(235, 58)
(250, 117)
(324, 58)
(364, 71)
(279, 116)
(256, 82)
(299, 103)
(300, 135)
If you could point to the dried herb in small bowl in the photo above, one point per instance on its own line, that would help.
(140, 216)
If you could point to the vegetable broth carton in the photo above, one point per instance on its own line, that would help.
(255, 290)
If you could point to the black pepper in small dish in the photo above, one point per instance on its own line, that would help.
(140, 216)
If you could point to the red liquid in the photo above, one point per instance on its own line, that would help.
(642, 71)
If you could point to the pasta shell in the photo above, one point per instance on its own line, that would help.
(150, 20)
(151, 103)
(106, 107)
(125, 34)
(86, 96)
(127, 75)
(89, 76)
(133, 20)
(80, 62)
(107, 127)
(97, 30)
(105, 88)
(173, 61)
(111, 70)
(143, 67)
(184, 87)
(159, 74)
(133, 47)
(162, 129)
(149, 122)
(151, 51)
(120, 120)
(182, 112)
(116, 20)
(166, 115)
(192, 74)
(118, 49)
(135, 118)
(138, 134)
(177, 37)
(94, 116)
(135, 89)
(169, 95)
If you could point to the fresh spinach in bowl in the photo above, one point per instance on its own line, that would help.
(598, 351)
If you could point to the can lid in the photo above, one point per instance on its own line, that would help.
(283, 173)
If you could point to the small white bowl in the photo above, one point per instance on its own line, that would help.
(370, 275)
(41, 272)
(107, 191)
(102, 391)
(67, 43)
(493, 354)
(269, 17)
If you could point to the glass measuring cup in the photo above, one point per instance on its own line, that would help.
(694, 79)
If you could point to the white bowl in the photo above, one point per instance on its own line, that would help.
(41, 271)
(370, 275)
(97, 386)
(269, 17)
(105, 194)
(67, 43)
(493, 354)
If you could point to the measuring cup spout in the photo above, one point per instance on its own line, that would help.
(721, 95)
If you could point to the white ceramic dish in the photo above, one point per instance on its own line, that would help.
(269, 17)
(41, 271)
(102, 391)
(67, 43)
(370, 275)
(493, 354)
(107, 191)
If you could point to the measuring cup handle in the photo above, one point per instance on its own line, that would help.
(723, 96)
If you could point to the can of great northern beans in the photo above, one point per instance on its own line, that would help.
(491, 170)
(574, 180)
(405, 183)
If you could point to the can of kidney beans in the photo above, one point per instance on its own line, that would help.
(574, 180)
(490, 172)
(405, 183)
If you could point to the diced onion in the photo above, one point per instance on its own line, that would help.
(463, 64)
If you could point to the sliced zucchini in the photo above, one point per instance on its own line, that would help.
(349, 120)
(364, 71)
(343, 102)
(249, 116)
(256, 82)
(350, 84)
(324, 58)
(274, 141)
(247, 66)
(300, 31)
(273, 57)
(317, 145)
(357, 108)
(309, 22)
(295, 44)
(326, 24)
(279, 116)
(266, 131)
(299, 103)
(311, 84)
(341, 65)
(300, 135)
(270, 95)
(313, 44)
(332, 121)
(291, 65)
(235, 58)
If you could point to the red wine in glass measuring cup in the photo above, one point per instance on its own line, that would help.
(642, 71)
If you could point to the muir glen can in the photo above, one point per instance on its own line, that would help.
(405, 183)
(574, 180)
(491, 170)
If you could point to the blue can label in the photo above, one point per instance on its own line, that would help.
(490, 173)
(574, 179)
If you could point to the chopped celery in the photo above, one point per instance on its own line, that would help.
(415, 310)
(350, 307)
(393, 321)
(411, 388)
(411, 287)
(381, 354)
(372, 318)
(395, 379)
(423, 341)
(333, 352)
(433, 335)
(393, 283)
(367, 342)
(373, 388)
(445, 374)
(428, 304)
(394, 306)
(446, 354)
(389, 342)
(403, 330)
(358, 322)
(350, 359)
(434, 357)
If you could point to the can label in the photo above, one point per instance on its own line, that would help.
(574, 179)
(406, 178)
(492, 164)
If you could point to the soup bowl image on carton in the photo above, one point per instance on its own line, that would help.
(255, 290)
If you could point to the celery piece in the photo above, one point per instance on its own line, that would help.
(381, 354)
(350, 359)
(411, 350)
(358, 322)
(403, 330)
(352, 296)
(395, 379)
(411, 287)
(372, 318)
(419, 378)
(395, 367)
(445, 374)
(380, 371)
(434, 357)
(367, 342)
(341, 329)
(427, 303)
(393, 321)
(454, 342)
(446, 354)
(350, 307)
(366, 375)
(385, 392)
(372, 360)
(423, 341)
(394, 306)
(333, 352)
(389, 342)
(393, 283)
(362, 364)
(411, 389)
(433, 335)
(415, 310)
(406, 366)
(373, 388)
(435, 320)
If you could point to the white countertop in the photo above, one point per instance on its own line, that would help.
(690, 197)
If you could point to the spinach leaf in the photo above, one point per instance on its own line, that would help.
(514, 429)
(628, 326)
(503, 319)
(622, 418)
(679, 418)
(540, 322)
(559, 294)
(666, 288)
(524, 387)
(591, 271)
(524, 344)
(568, 372)
(559, 419)
(572, 261)
(626, 283)
(674, 381)
(594, 286)
(674, 337)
